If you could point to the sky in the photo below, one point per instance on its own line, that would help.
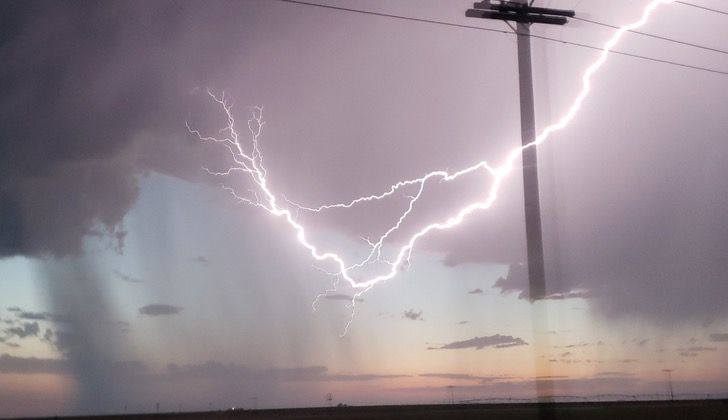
(130, 277)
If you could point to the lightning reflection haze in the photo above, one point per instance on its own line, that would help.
(248, 161)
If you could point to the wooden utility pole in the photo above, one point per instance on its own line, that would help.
(524, 15)
(669, 383)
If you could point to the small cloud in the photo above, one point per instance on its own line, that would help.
(48, 336)
(126, 278)
(641, 342)
(341, 296)
(28, 329)
(572, 346)
(716, 337)
(477, 291)
(411, 314)
(629, 360)
(37, 316)
(202, 260)
(13, 309)
(159, 309)
(41, 316)
(571, 294)
(462, 322)
(497, 341)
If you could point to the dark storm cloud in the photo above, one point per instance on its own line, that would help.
(412, 315)
(159, 309)
(92, 96)
(648, 241)
(479, 343)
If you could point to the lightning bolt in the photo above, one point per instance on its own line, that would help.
(248, 160)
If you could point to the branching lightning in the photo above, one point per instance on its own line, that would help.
(248, 161)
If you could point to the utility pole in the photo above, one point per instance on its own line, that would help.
(524, 15)
(452, 393)
(669, 382)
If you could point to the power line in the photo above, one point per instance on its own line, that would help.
(684, 3)
(479, 28)
(663, 38)
(387, 15)
(626, 54)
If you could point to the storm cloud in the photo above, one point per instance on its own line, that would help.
(649, 248)
(84, 120)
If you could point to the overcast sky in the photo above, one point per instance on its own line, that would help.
(128, 276)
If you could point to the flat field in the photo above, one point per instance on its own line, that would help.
(637, 410)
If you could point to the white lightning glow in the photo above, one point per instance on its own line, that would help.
(249, 162)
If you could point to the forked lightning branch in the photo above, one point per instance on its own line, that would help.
(247, 159)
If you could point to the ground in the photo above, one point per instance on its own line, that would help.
(662, 410)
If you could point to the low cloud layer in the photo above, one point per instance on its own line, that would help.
(32, 365)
